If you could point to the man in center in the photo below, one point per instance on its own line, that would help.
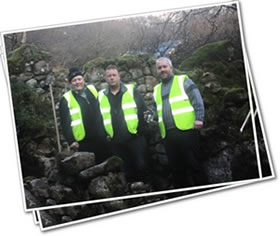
(122, 108)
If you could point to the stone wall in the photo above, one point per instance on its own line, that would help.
(227, 154)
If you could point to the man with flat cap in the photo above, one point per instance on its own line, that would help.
(80, 117)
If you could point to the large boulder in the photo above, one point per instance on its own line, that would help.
(79, 161)
(112, 164)
(113, 184)
(41, 68)
(61, 193)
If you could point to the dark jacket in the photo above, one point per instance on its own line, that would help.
(121, 133)
(90, 114)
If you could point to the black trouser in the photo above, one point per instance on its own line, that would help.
(133, 152)
(183, 151)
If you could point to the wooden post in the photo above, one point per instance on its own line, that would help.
(55, 120)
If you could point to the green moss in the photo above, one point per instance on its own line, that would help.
(235, 68)
(214, 58)
(26, 53)
(235, 96)
(217, 51)
(236, 90)
(98, 62)
(127, 62)
(232, 92)
(222, 91)
(219, 67)
(178, 72)
(32, 115)
(151, 61)
(195, 74)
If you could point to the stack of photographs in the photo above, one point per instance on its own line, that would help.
(205, 42)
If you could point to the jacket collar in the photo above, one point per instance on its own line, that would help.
(169, 80)
(122, 89)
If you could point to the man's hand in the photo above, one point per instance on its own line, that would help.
(75, 145)
(198, 124)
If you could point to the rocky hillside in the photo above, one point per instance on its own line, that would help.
(52, 178)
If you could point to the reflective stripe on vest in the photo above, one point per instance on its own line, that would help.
(76, 114)
(93, 90)
(181, 108)
(129, 109)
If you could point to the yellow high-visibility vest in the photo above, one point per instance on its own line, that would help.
(128, 106)
(181, 108)
(76, 114)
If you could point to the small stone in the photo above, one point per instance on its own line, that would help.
(65, 219)
(142, 88)
(39, 90)
(148, 96)
(139, 187)
(50, 202)
(115, 205)
(61, 193)
(46, 164)
(136, 73)
(45, 147)
(146, 70)
(99, 188)
(41, 67)
(47, 219)
(151, 82)
(32, 83)
(39, 187)
(31, 200)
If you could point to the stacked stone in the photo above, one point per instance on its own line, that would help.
(141, 72)
(223, 146)
(77, 178)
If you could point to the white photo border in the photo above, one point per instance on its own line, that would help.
(4, 57)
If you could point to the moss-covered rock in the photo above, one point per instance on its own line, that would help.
(124, 62)
(33, 115)
(235, 96)
(128, 61)
(98, 62)
(215, 58)
(205, 56)
(23, 55)
(130, 67)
